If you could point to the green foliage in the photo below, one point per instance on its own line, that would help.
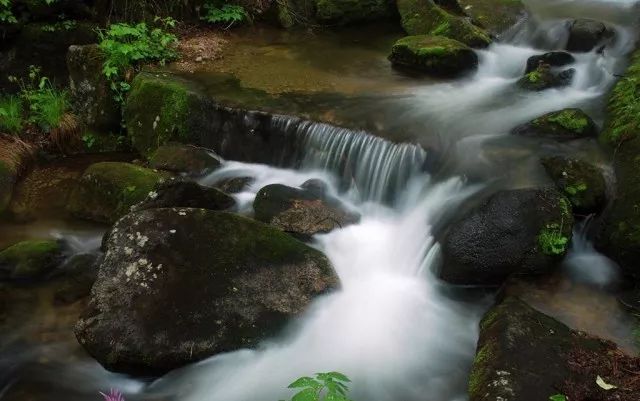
(324, 387)
(575, 189)
(6, 16)
(228, 14)
(624, 106)
(571, 119)
(89, 140)
(552, 241)
(558, 397)
(64, 25)
(11, 115)
(127, 46)
(47, 104)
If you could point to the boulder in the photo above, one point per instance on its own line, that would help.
(495, 16)
(525, 355)
(425, 17)
(179, 193)
(543, 77)
(581, 182)
(30, 260)
(179, 285)
(553, 59)
(234, 185)
(623, 107)
(302, 212)
(561, 125)
(77, 275)
(586, 34)
(433, 55)
(347, 11)
(186, 159)
(522, 231)
(107, 191)
(93, 100)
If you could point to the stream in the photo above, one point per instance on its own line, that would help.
(396, 330)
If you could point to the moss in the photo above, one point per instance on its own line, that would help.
(582, 183)
(624, 106)
(30, 259)
(107, 190)
(495, 15)
(565, 123)
(433, 54)
(570, 119)
(481, 371)
(345, 11)
(552, 241)
(183, 159)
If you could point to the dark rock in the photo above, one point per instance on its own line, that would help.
(581, 182)
(344, 12)
(631, 300)
(30, 260)
(234, 185)
(78, 274)
(434, 55)
(561, 125)
(523, 231)
(553, 59)
(179, 285)
(303, 212)
(586, 34)
(543, 77)
(187, 159)
(316, 188)
(179, 193)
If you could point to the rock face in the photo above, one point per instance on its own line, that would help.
(433, 55)
(544, 78)
(581, 182)
(186, 159)
(561, 125)
(106, 191)
(92, 96)
(553, 59)
(303, 212)
(495, 16)
(586, 34)
(178, 193)
(526, 355)
(178, 285)
(523, 231)
(425, 17)
(30, 260)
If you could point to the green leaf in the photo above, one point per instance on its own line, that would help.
(339, 376)
(305, 382)
(307, 394)
(558, 397)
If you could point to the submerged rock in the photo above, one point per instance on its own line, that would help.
(30, 260)
(553, 59)
(106, 191)
(586, 34)
(179, 193)
(186, 159)
(525, 355)
(581, 182)
(544, 78)
(522, 231)
(561, 125)
(425, 17)
(302, 212)
(179, 285)
(433, 55)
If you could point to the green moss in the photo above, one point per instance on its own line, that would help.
(569, 123)
(570, 119)
(576, 188)
(433, 54)
(30, 259)
(624, 106)
(552, 240)
(481, 370)
(534, 77)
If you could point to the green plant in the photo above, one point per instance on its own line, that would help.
(229, 14)
(323, 387)
(6, 15)
(89, 140)
(11, 115)
(552, 241)
(558, 397)
(47, 104)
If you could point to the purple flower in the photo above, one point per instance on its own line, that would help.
(114, 395)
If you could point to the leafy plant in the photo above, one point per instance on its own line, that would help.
(323, 387)
(11, 115)
(558, 397)
(47, 104)
(229, 14)
(89, 140)
(552, 240)
(6, 15)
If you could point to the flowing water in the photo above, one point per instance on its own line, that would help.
(398, 332)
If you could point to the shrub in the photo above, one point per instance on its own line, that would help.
(11, 115)
(6, 15)
(324, 387)
(228, 14)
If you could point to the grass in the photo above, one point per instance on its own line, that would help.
(11, 115)
(48, 107)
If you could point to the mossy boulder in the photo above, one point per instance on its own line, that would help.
(347, 11)
(561, 125)
(553, 59)
(107, 191)
(425, 17)
(623, 107)
(162, 109)
(544, 77)
(179, 285)
(620, 238)
(581, 182)
(180, 193)
(494, 15)
(522, 231)
(30, 260)
(185, 159)
(434, 55)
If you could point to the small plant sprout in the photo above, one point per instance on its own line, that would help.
(558, 397)
(113, 395)
(329, 386)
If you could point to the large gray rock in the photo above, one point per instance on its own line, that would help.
(178, 285)
(180, 193)
(586, 34)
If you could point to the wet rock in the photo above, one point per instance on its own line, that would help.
(433, 55)
(344, 12)
(302, 212)
(187, 159)
(92, 96)
(106, 191)
(586, 34)
(525, 355)
(77, 276)
(581, 182)
(523, 231)
(179, 285)
(30, 260)
(495, 16)
(179, 193)
(424, 17)
(543, 77)
(553, 59)
(234, 185)
(561, 125)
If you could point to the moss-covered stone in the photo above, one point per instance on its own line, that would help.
(433, 55)
(346, 11)
(161, 109)
(544, 78)
(106, 191)
(30, 260)
(581, 182)
(495, 15)
(623, 109)
(424, 17)
(186, 159)
(561, 125)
